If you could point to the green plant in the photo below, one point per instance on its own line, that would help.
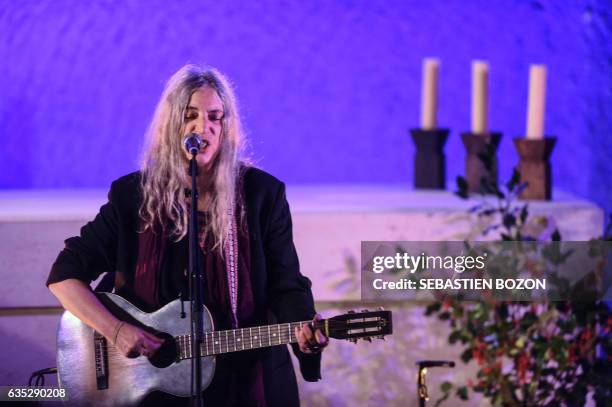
(547, 353)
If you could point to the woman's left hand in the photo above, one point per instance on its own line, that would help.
(311, 342)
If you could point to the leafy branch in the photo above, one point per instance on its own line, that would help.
(528, 353)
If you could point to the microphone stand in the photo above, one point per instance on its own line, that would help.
(422, 392)
(196, 284)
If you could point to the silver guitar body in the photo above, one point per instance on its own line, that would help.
(127, 380)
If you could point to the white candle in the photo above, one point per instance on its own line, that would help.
(429, 93)
(536, 102)
(480, 97)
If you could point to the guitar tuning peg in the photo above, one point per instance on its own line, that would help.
(350, 311)
(354, 340)
(382, 337)
(381, 308)
(367, 338)
(365, 310)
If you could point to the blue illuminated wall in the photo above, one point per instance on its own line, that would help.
(328, 89)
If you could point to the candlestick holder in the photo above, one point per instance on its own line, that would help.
(534, 166)
(429, 159)
(481, 159)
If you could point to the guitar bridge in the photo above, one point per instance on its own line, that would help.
(101, 361)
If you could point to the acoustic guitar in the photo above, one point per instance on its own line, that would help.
(94, 372)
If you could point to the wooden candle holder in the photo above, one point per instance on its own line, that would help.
(534, 166)
(429, 159)
(475, 169)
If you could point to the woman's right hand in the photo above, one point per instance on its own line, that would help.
(130, 340)
(133, 341)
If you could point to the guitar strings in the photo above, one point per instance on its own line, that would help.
(232, 343)
(228, 343)
(141, 359)
(223, 346)
(265, 335)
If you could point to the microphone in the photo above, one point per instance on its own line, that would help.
(193, 143)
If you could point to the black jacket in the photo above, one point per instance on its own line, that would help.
(110, 243)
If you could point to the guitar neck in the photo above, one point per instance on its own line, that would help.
(234, 340)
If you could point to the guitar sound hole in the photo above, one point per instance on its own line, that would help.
(167, 354)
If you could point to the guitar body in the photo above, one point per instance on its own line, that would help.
(93, 372)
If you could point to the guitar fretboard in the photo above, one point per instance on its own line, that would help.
(234, 340)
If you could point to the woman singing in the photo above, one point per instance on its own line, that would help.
(251, 267)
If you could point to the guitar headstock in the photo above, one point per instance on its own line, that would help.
(355, 325)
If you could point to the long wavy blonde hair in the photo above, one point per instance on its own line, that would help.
(164, 164)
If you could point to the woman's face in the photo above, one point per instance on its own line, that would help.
(203, 117)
